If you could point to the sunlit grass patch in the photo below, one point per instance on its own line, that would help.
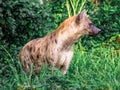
(97, 68)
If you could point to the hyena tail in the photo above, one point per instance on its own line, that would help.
(26, 62)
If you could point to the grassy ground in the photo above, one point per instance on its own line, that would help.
(96, 69)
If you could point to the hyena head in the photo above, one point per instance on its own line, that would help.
(85, 25)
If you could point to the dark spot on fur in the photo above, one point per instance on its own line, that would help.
(37, 56)
(33, 49)
(27, 47)
(52, 60)
(51, 37)
(61, 66)
(55, 41)
(30, 49)
(47, 61)
(38, 49)
(46, 47)
(44, 61)
(54, 34)
(31, 57)
(24, 63)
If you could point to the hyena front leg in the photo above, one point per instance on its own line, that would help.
(38, 68)
(65, 66)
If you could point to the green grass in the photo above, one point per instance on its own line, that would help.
(96, 69)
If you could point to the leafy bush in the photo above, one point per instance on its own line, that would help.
(23, 20)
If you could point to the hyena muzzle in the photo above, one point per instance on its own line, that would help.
(56, 48)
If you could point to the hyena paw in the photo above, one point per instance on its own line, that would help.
(64, 71)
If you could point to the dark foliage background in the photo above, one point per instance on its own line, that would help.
(23, 20)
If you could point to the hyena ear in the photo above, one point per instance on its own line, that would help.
(82, 15)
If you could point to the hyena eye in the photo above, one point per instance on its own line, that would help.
(90, 24)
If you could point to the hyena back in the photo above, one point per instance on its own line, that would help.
(56, 48)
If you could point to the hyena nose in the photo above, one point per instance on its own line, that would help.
(96, 30)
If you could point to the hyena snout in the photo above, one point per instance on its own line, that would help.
(94, 30)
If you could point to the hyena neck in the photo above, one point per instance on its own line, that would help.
(67, 34)
(67, 41)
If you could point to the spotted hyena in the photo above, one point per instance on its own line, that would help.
(56, 48)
